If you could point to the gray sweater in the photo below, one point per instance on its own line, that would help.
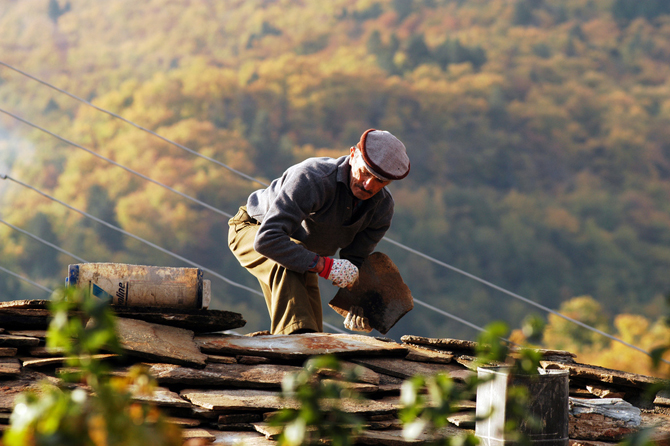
(311, 203)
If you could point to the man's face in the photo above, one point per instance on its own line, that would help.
(362, 183)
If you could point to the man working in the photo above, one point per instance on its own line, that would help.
(287, 233)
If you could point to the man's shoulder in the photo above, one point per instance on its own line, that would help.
(318, 166)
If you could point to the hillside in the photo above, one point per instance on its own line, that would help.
(539, 135)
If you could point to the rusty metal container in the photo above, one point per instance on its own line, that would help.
(142, 286)
(548, 402)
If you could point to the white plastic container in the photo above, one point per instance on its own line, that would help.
(143, 286)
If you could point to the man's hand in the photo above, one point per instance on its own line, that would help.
(356, 321)
(342, 272)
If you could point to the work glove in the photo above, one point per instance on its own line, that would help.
(356, 321)
(342, 272)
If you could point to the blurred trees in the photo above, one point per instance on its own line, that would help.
(538, 134)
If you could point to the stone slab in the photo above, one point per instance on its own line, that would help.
(297, 347)
(609, 376)
(197, 320)
(7, 352)
(10, 367)
(161, 397)
(159, 342)
(422, 354)
(11, 386)
(7, 340)
(263, 400)
(404, 369)
(379, 291)
(447, 344)
(262, 376)
(242, 438)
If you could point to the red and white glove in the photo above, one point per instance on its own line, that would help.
(342, 272)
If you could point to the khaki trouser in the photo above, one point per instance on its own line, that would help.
(293, 299)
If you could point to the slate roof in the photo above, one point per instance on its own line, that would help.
(220, 387)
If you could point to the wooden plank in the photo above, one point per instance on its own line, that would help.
(263, 376)
(401, 368)
(263, 400)
(302, 346)
(197, 320)
(159, 342)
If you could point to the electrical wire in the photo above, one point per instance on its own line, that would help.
(43, 241)
(127, 169)
(169, 141)
(25, 279)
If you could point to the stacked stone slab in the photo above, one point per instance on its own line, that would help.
(221, 387)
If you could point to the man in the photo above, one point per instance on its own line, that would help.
(287, 233)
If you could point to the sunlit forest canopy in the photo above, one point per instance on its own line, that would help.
(538, 132)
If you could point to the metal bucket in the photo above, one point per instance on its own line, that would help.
(142, 286)
(548, 402)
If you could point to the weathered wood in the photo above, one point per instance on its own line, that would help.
(401, 368)
(298, 346)
(159, 342)
(263, 400)
(379, 291)
(197, 320)
(7, 352)
(10, 367)
(263, 376)
(7, 340)
(608, 419)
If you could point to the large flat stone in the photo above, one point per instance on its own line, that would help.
(401, 368)
(10, 367)
(7, 340)
(298, 346)
(263, 400)
(159, 342)
(263, 376)
(379, 291)
(11, 386)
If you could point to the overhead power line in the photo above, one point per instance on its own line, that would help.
(169, 141)
(127, 169)
(25, 279)
(41, 240)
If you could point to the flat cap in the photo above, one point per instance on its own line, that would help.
(384, 155)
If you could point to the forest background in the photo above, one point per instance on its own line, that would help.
(538, 131)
